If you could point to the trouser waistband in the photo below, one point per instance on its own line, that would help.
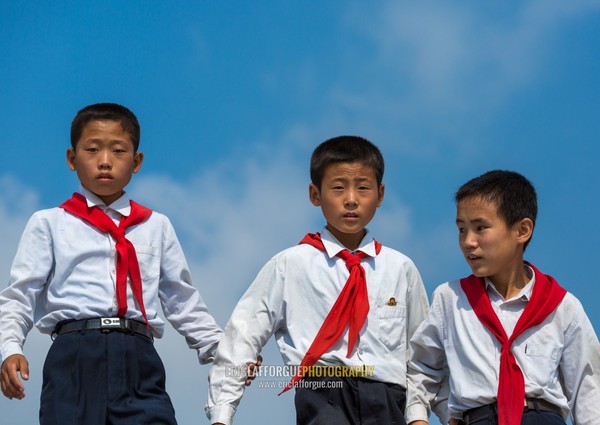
(491, 410)
(105, 324)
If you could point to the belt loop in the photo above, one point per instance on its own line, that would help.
(536, 405)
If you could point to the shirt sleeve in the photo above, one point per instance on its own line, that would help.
(417, 302)
(31, 268)
(255, 318)
(580, 368)
(182, 304)
(427, 377)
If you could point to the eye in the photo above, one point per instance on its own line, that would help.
(91, 150)
(481, 228)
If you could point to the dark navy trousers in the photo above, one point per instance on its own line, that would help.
(97, 378)
(357, 401)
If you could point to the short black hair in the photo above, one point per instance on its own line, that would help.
(106, 112)
(345, 149)
(514, 196)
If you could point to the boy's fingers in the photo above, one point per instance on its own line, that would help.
(24, 368)
(11, 385)
(8, 387)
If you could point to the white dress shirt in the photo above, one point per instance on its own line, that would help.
(560, 358)
(64, 269)
(292, 295)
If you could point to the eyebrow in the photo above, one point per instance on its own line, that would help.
(346, 179)
(476, 220)
(111, 142)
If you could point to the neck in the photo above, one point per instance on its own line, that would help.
(511, 282)
(351, 241)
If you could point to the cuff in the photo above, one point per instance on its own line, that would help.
(220, 413)
(416, 412)
(8, 350)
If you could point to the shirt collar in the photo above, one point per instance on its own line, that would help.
(121, 205)
(333, 246)
(524, 293)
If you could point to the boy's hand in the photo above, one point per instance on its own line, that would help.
(9, 379)
(252, 369)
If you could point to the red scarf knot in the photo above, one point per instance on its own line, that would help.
(351, 260)
(349, 310)
(118, 234)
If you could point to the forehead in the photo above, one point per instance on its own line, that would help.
(476, 208)
(345, 170)
(104, 129)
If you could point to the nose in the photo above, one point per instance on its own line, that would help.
(351, 200)
(104, 160)
(468, 240)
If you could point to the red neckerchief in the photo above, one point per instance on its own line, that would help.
(350, 309)
(127, 262)
(545, 297)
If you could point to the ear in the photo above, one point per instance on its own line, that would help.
(524, 229)
(138, 158)
(314, 195)
(71, 159)
(380, 192)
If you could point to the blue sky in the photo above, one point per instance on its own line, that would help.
(232, 98)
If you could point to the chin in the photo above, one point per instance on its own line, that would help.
(481, 274)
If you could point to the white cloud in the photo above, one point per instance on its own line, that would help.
(463, 53)
(232, 218)
(16, 204)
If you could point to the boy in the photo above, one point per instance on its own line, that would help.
(339, 300)
(518, 347)
(92, 273)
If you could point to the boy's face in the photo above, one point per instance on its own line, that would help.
(349, 196)
(104, 159)
(491, 247)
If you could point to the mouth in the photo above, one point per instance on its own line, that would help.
(473, 258)
(351, 216)
(104, 177)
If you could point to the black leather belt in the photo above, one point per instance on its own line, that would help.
(491, 410)
(105, 324)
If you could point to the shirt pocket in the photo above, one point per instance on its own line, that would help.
(391, 322)
(542, 363)
(149, 261)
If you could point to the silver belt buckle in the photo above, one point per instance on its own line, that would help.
(108, 323)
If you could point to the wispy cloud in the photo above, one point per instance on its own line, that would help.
(468, 54)
(437, 72)
(17, 202)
